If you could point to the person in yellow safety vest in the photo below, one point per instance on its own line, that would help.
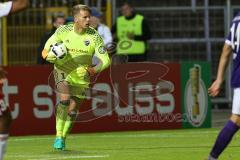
(131, 32)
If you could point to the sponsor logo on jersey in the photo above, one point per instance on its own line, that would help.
(102, 49)
(86, 42)
(77, 50)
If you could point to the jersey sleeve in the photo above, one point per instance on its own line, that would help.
(46, 53)
(228, 39)
(233, 34)
(101, 53)
(5, 8)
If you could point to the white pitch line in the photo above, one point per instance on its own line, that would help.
(72, 157)
(158, 135)
(28, 139)
(52, 157)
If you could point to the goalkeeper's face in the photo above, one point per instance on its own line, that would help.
(82, 19)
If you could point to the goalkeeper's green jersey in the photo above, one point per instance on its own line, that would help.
(80, 49)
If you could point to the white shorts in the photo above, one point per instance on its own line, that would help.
(236, 101)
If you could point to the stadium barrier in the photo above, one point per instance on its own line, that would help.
(164, 96)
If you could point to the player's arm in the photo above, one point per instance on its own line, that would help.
(146, 33)
(223, 63)
(101, 54)
(18, 5)
(12, 7)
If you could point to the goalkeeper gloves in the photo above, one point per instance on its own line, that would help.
(91, 71)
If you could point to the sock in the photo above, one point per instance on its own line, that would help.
(59, 127)
(223, 139)
(61, 117)
(67, 127)
(3, 143)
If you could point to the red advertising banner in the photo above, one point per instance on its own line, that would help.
(31, 100)
(134, 96)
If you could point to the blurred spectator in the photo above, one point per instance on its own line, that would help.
(131, 32)
(68, 20)
(57, 21)
(103, 30)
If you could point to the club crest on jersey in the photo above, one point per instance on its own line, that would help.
(102, 49)
(86, 42)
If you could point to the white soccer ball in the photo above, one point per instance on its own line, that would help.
(59, 50)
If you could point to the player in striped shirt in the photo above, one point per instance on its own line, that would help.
(231, 46)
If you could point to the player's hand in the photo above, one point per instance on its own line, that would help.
(2, 75)
(215, 88)
(91, 71)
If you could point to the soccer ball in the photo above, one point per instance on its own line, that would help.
(59, 50)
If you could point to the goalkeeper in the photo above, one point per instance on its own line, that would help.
(71, 49)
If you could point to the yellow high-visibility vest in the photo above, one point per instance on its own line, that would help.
(134, 26)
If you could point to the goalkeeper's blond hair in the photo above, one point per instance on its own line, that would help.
(80, 7)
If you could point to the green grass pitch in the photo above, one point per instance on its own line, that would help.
(188, 144)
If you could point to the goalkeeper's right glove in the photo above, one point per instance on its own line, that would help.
(91, 71)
